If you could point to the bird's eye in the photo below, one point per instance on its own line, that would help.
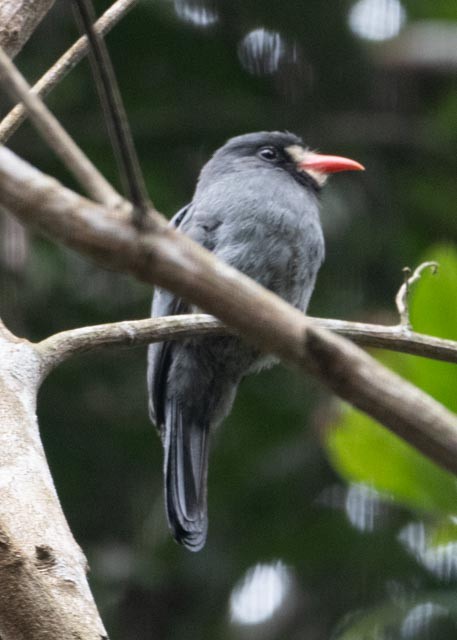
(268, 153)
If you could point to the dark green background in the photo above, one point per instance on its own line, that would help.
(273, 495)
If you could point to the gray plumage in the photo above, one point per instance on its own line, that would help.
(256, 211)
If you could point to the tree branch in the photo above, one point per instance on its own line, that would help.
(18, 20)
(61, 346)
(401, 299)
(55, 135)
(115, 114)
(12, 121)
(160, 255)
(131, 333)
(44, 592)
(28, 607)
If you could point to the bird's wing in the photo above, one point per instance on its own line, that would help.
(164, 303)
(194, 223)
(184, 430)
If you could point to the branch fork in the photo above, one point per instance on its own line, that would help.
(158, 255)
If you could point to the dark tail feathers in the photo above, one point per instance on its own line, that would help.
(186, 472)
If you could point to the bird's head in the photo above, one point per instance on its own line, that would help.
(274, 150)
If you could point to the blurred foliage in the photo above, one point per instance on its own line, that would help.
(362, 451)
(360, 564)
(423, 618)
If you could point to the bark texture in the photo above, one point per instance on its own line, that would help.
(44, 594)
(18, 20)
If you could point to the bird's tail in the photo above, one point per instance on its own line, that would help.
(186, 472)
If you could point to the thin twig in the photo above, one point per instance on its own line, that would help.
(61, 346)
(12, 121)
(56, 137)
(115, 114)
(402, 297)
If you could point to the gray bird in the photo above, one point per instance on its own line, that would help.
(256, 207)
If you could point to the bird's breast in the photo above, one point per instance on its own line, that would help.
(274, 240)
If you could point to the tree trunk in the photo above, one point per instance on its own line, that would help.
(44, 592)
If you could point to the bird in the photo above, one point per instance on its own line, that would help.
(256, 207)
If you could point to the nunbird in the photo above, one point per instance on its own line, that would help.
(256, 206)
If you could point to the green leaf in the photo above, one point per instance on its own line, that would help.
(363, 451)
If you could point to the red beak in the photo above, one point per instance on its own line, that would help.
(328, 164)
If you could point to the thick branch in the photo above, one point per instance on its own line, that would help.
(55, 135)
(18, 20)
(44, 593)
(63, 345)
(12, 121)
(28, 607)
(386, 397)
(165, 257)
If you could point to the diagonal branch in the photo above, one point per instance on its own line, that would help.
(160, 255)
(131, 333)
(115, 114)
(55, 135)
(55, 74)
(18, 20)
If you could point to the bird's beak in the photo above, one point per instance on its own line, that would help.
(319, 166)
(311, 161)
